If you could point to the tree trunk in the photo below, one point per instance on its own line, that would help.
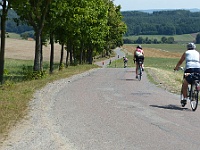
(81, 54)
(90, 52)
(84, 55)
(90, 57)
(74, 56)
(41, 56)
(69, 48)
(52, 53)
(37, 63)
(67, 58)
(3, 32)
(61, 56)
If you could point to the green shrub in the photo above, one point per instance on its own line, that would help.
(29, 74)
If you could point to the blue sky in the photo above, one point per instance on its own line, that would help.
(157, 4)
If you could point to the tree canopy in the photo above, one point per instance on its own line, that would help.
(85, 27)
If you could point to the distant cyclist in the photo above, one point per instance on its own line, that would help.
(192, 58)
(138, 55)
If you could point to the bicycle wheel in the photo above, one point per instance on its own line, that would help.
(194, 97)
(139, 72)
(125, 64)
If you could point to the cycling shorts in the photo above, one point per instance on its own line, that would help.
(195, 74)
(139, 58)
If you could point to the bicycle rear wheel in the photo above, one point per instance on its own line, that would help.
(194, 97)
(139, 72)
(125, 64)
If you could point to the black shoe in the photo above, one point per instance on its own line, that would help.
(183, 102)
(136, 77)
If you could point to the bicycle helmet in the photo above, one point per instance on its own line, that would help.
(139, 46)
(191, 46)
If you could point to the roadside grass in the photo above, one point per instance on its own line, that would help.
(13, 69)
(15, 96)
(160, 72)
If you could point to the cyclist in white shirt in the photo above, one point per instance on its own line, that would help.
(192, 59)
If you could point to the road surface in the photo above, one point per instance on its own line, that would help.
(106, 109)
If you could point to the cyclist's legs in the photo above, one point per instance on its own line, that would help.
(184, 88)
(136, 68)
(137, 63)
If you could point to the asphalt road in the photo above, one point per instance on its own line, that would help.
(107, 109)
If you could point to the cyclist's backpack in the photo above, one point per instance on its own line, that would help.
(138, 52)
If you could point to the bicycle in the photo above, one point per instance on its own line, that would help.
(125, 64)
(140, 62)
(192, 91)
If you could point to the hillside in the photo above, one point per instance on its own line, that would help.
(174, 22)
(155, 10)
(12, 26)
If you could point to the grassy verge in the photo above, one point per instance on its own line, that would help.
(14, 97)
(170, 81)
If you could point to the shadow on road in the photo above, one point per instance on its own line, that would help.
(130, 71)
(131, 79)
(174, 107)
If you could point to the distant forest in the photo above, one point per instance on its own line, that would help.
(172, 22)
(16, 27)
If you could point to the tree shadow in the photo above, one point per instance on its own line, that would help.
(171, 107)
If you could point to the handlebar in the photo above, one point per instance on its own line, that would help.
(180, 68)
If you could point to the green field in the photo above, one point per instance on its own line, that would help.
(177, 48)
(13, 36)
(178, 38)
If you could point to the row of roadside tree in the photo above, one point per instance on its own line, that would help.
(84, 27)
